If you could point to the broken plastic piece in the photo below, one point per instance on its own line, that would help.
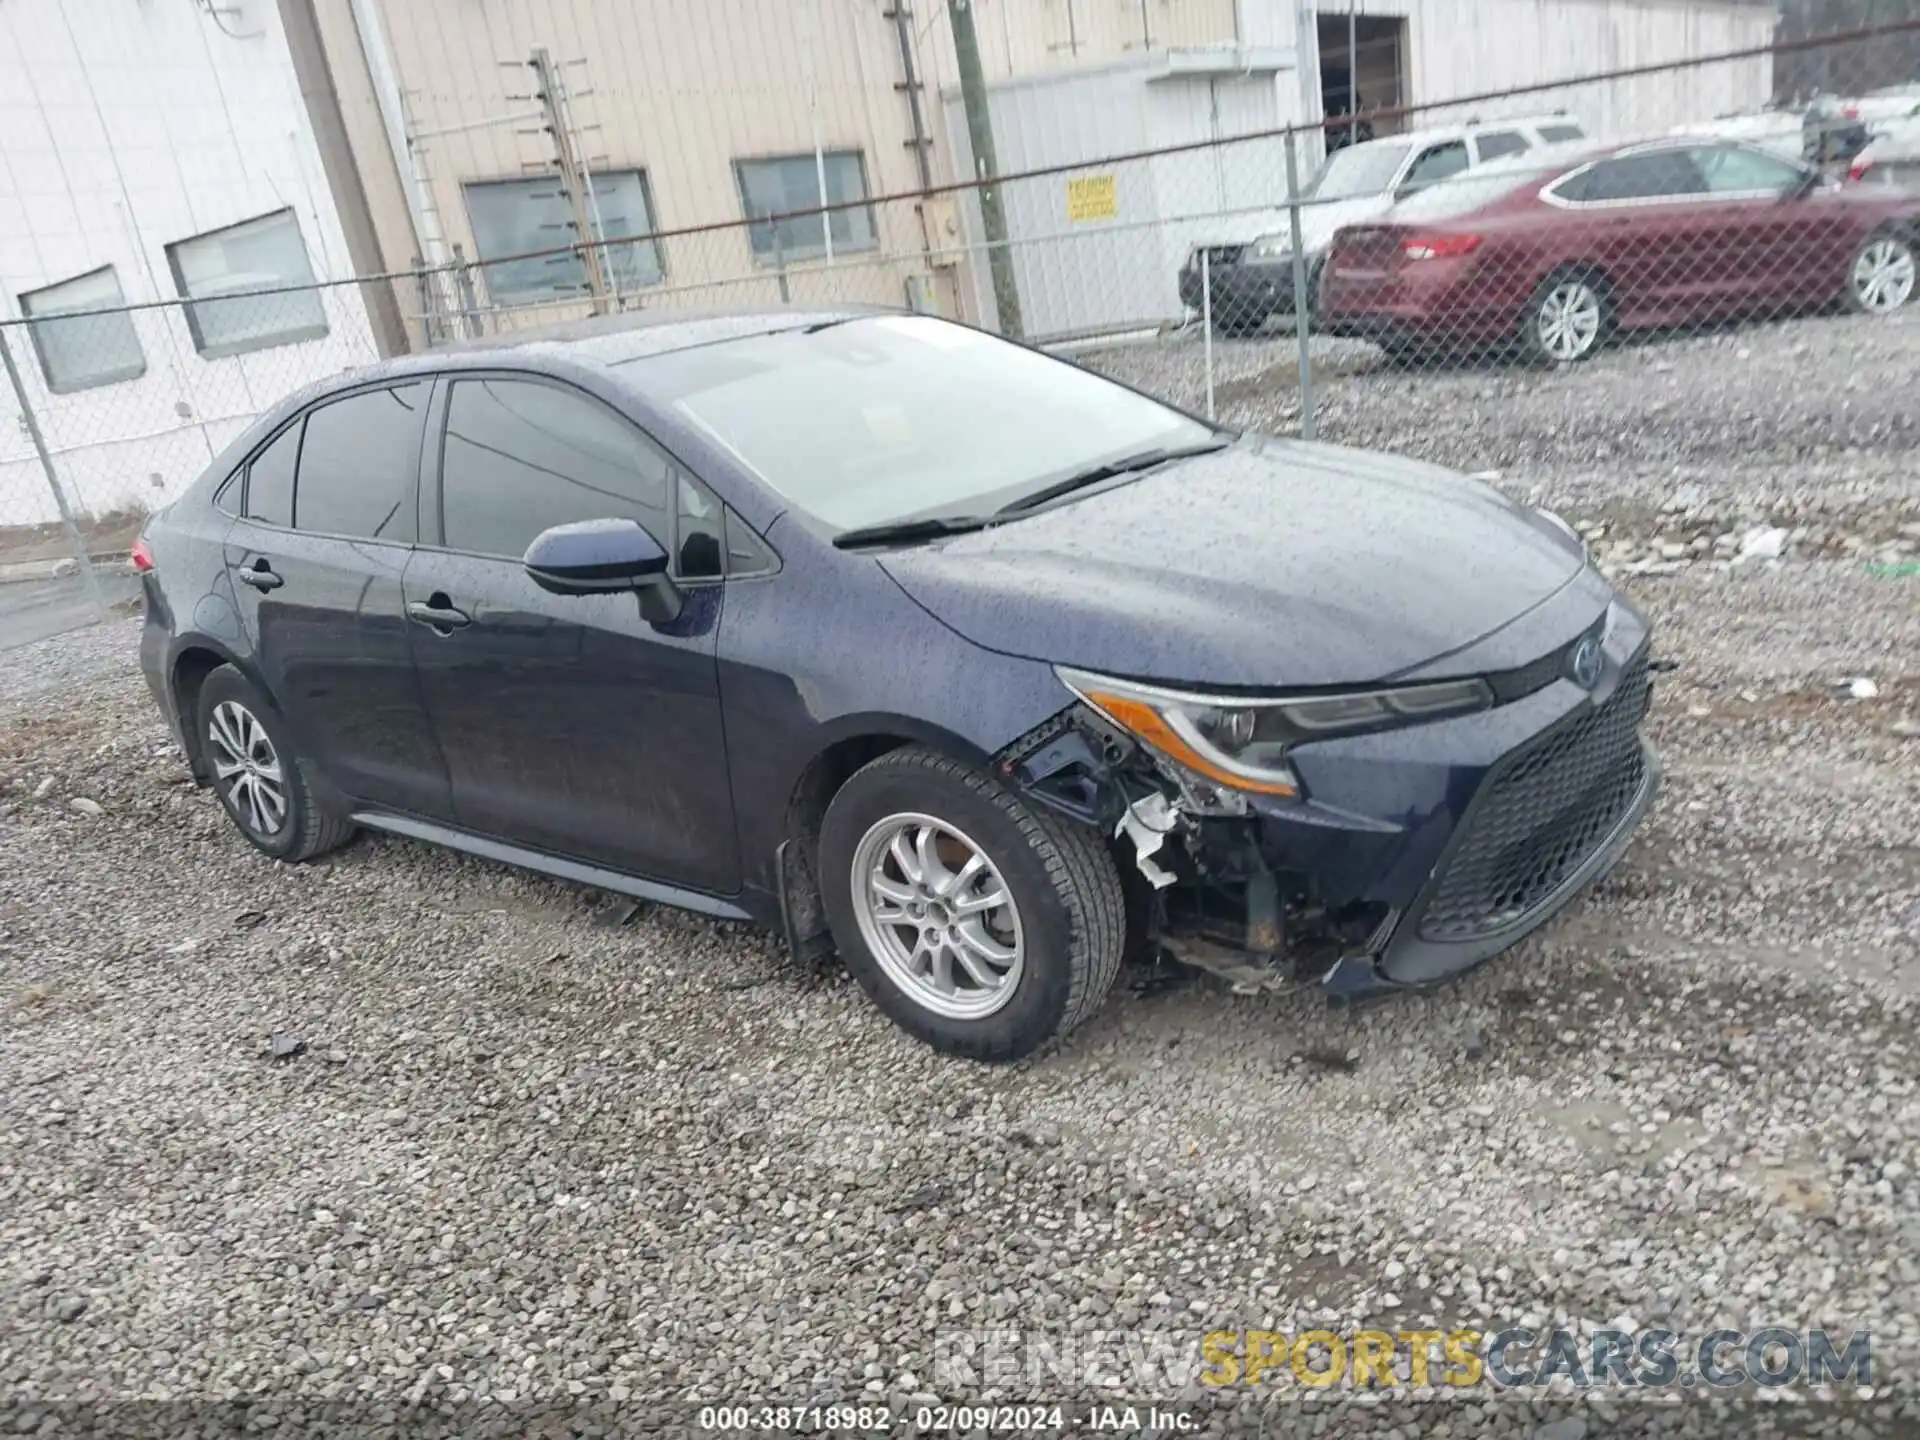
(1146, 823)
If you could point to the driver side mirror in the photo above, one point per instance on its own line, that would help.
(604, 557)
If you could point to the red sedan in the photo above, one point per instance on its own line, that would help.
(1560, 251)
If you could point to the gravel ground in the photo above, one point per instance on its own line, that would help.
(527, 1154)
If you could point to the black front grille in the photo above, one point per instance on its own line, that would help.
(1542, 815)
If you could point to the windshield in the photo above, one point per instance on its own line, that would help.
(890, 416)
(1358, 170)
(1464, 194)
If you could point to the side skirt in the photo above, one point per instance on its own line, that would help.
(559, 869)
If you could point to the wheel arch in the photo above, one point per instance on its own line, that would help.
(194, 658)
(1586, 269)
(840, 749)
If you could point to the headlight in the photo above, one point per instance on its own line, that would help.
(1273, 247)
(1243, 743)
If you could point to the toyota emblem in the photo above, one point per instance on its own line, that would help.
(1586, 664)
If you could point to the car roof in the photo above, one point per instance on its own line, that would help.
(608, 340)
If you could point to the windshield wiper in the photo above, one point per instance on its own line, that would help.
(1107, 470)
(901, 532)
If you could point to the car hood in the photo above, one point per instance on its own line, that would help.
(1271, 563)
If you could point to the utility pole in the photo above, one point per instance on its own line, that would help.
(573, 175)
(973, 94)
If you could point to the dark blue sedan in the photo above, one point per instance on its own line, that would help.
(926, 647)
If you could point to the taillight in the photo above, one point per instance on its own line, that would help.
(1439, 247)
(1858, 170)
(141, 556)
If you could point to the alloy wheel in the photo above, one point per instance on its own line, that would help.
(1883, 275)
(1568, 321)
(247, 769)
(937, 916)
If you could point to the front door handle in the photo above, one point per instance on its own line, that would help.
(439, 612)
(259, 574)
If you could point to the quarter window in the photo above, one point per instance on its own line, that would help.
(792, 182)
(522, 456)
(92, 343)
(358, 464)
(1734, 169)
(1500, 142)
(702, 543)
(1560, 134)
(747, 554)
(270, 479)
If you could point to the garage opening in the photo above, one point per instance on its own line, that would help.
(1362, 69)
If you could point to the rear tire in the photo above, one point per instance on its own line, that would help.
(263, 784)
(1568, 319)
(1882, 276)
(913, 851)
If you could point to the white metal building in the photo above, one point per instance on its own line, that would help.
(1097, 250)
(154, 151)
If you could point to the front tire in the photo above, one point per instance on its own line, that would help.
(260, 778)
(1882, 274)
(981, 925)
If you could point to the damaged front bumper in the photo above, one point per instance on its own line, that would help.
(1414, 853)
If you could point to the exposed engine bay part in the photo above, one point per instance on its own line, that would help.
(1215, 900)
(1147, 822)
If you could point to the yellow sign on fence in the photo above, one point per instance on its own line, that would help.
(1092, 197)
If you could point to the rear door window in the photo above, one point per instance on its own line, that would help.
(1498, 143)
(1656, 175)
(359, 462)
(270, 479)
(1561, 133)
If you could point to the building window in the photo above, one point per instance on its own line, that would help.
(792, 182)
(218, 274)
(96, 345)
(514, 217)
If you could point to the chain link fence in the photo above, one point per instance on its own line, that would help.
(1542, 226)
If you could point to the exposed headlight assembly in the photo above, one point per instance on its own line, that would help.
(1273, 247)
(1242, 742)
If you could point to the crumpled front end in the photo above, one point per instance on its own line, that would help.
(1411, 854)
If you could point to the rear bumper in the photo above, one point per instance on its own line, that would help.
(155, 648)
(159, 650)
(1426, 303)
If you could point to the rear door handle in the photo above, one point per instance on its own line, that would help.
(259, 574)
(439, 612)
